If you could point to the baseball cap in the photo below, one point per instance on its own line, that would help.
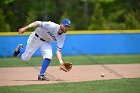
(66, 22)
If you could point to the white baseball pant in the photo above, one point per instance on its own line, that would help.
(33, 44)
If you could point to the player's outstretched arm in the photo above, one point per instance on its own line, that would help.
(34, 24)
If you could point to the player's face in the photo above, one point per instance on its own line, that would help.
(63, 28)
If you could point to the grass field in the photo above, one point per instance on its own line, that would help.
(101, 86)
(76, 60)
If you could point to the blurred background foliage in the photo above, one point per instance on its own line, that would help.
(84, 14)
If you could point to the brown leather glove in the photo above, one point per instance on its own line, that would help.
(66, 66)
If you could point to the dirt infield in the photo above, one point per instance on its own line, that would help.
(28, 75)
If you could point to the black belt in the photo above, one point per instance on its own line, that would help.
(39, 37)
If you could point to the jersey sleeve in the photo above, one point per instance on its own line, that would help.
(60, 44)
(47, 25)
(34, 24)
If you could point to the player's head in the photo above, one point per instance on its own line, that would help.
(64, 26)
(66, 22)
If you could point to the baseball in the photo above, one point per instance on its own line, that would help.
(102, 74)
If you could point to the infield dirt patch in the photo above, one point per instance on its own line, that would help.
(28, 75)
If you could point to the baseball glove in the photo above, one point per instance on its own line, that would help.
(66, 66)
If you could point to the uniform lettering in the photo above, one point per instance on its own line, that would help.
(53, 37)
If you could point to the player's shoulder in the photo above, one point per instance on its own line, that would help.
(49, 24)
(52, 23)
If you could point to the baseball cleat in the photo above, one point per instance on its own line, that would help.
(17, 50)
(42, 77)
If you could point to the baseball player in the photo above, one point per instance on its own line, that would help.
(45, 33)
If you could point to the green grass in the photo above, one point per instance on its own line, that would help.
(101, 86)
(76, 60)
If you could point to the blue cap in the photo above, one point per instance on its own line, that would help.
(66, 22)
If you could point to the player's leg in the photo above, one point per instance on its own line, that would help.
(19, 49)
(33, 44)
(45, 64)
(46, 50)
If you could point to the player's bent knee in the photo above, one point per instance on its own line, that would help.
(25, 59)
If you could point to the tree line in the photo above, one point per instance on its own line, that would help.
(84, 14)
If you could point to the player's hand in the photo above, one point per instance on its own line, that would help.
(22, 30)
(66, 66)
